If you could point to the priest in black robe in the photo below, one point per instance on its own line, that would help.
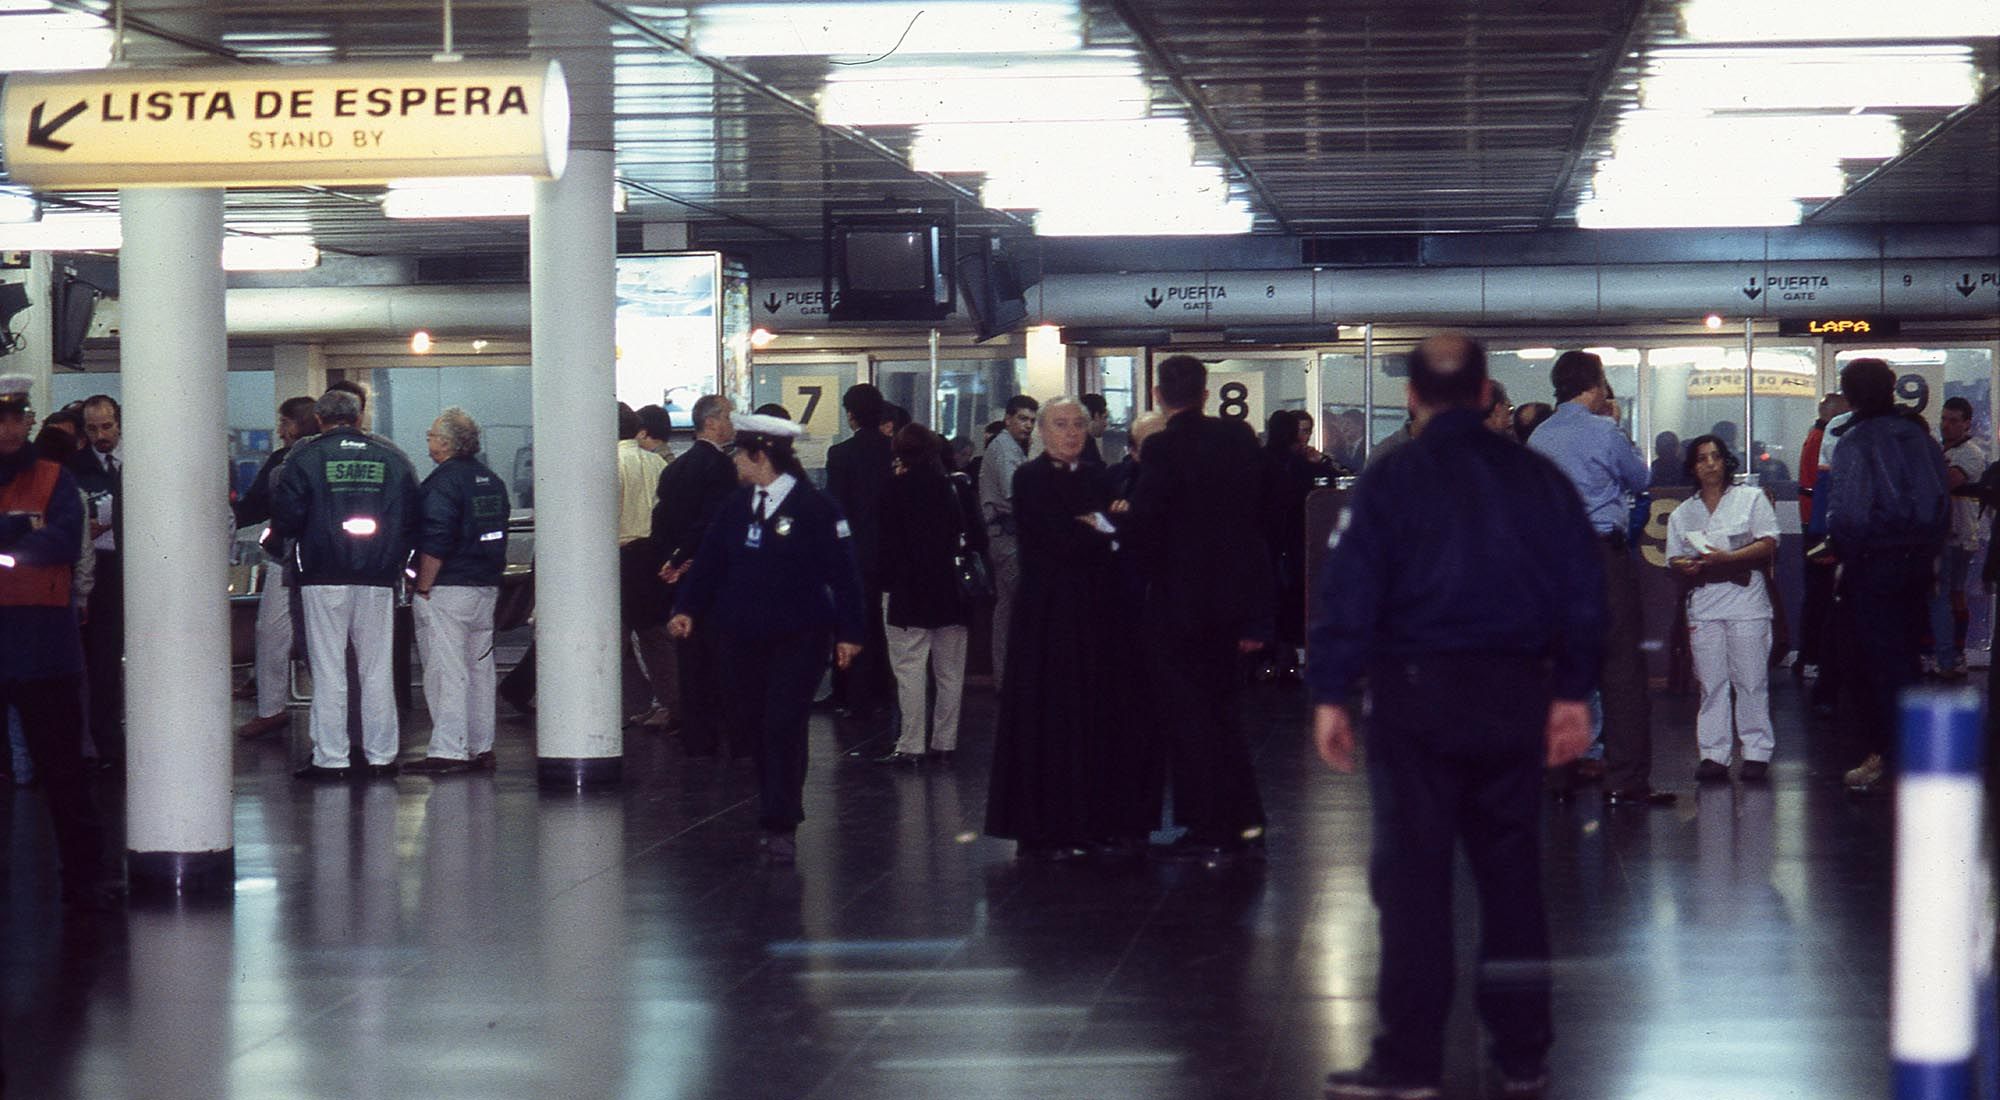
(1070, 769)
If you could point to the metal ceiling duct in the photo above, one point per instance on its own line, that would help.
(1929, 288)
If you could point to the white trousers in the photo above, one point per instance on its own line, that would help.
(274, 644)
(920, 656)
(455, 643)
(365, 615)
(1733, 653)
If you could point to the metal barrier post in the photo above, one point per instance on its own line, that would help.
(1934, 1010)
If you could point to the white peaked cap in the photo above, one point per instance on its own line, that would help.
(773, 427)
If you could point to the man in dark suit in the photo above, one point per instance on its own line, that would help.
(691, 490)
(1209, 597)
(98, 469)
(858, 470)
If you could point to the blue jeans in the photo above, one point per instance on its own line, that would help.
(17, 748)
(1949, 613)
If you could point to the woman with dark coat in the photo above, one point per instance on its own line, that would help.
(927, 623)
(1290, 475)
(1071, 771)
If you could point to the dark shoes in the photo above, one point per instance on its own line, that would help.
(900, 759)
(1517, 1085)
(380, 771)
(437, 765)
(940, 756)
(1050, 853)
(317, 773)
(1708, 771)
(779, 849)
(1639, 796)
(1209, 852)
(1372, 1082)
(1756, 771)
(484, 761)
(258, 727)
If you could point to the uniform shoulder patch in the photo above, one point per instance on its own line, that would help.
(842, 530)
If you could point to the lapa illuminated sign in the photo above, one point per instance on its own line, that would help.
(1837, 328)
(285, 124)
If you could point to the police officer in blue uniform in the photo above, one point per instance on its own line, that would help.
(775, 585)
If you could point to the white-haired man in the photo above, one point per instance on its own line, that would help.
(461, 554)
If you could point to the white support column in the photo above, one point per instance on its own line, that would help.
(572, 252)
(299, 370)
(175, 544)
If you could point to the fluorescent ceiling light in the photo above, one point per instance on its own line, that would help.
(1189, 185)
(1817, 78)
(18, 206)
(1070, 148)
(1797, 178)
(460, 197)
(1083, 88)
(46, 40)
(64, 233)
(865, 29)
(1116, 219)
(1715, 211)
(470, 197)
(1722, 140)
(1838, 20)
(269, 254)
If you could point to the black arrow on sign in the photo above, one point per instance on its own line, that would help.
(1965, 286)
(1153, 299)
(771, 303)
(45, 136)
(1750, 290)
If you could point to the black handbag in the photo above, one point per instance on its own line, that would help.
(968, 566)
(975, 580)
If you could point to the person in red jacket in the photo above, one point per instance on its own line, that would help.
(41, 654)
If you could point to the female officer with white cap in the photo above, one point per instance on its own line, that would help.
(775, 580)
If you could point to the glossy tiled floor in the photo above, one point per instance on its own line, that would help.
(471, 938)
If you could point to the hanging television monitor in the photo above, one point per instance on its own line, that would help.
(991, 287)
(890, 262)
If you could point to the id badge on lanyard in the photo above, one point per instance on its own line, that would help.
(754, 537)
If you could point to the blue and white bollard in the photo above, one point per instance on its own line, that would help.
(1934, 1017)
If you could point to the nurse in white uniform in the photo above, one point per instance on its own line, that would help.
(1721, 539)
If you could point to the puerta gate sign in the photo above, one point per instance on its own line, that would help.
(285, 124)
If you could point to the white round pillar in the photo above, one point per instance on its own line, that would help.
(572, 251)
(175, 544)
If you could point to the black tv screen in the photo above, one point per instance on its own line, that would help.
(889, 262)
(992, 291)
(75, 302)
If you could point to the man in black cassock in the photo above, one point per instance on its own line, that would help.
(1070, 767)
(1208, 599)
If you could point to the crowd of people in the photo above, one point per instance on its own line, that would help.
(1495, 631)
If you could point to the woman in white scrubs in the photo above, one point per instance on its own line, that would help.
(1721, 539)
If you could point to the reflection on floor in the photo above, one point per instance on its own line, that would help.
(470, 938)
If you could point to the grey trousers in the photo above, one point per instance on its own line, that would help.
(1004, 554)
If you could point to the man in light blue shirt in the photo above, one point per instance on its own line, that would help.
(1583, 439)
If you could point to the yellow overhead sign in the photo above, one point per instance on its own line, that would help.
(285, 124)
